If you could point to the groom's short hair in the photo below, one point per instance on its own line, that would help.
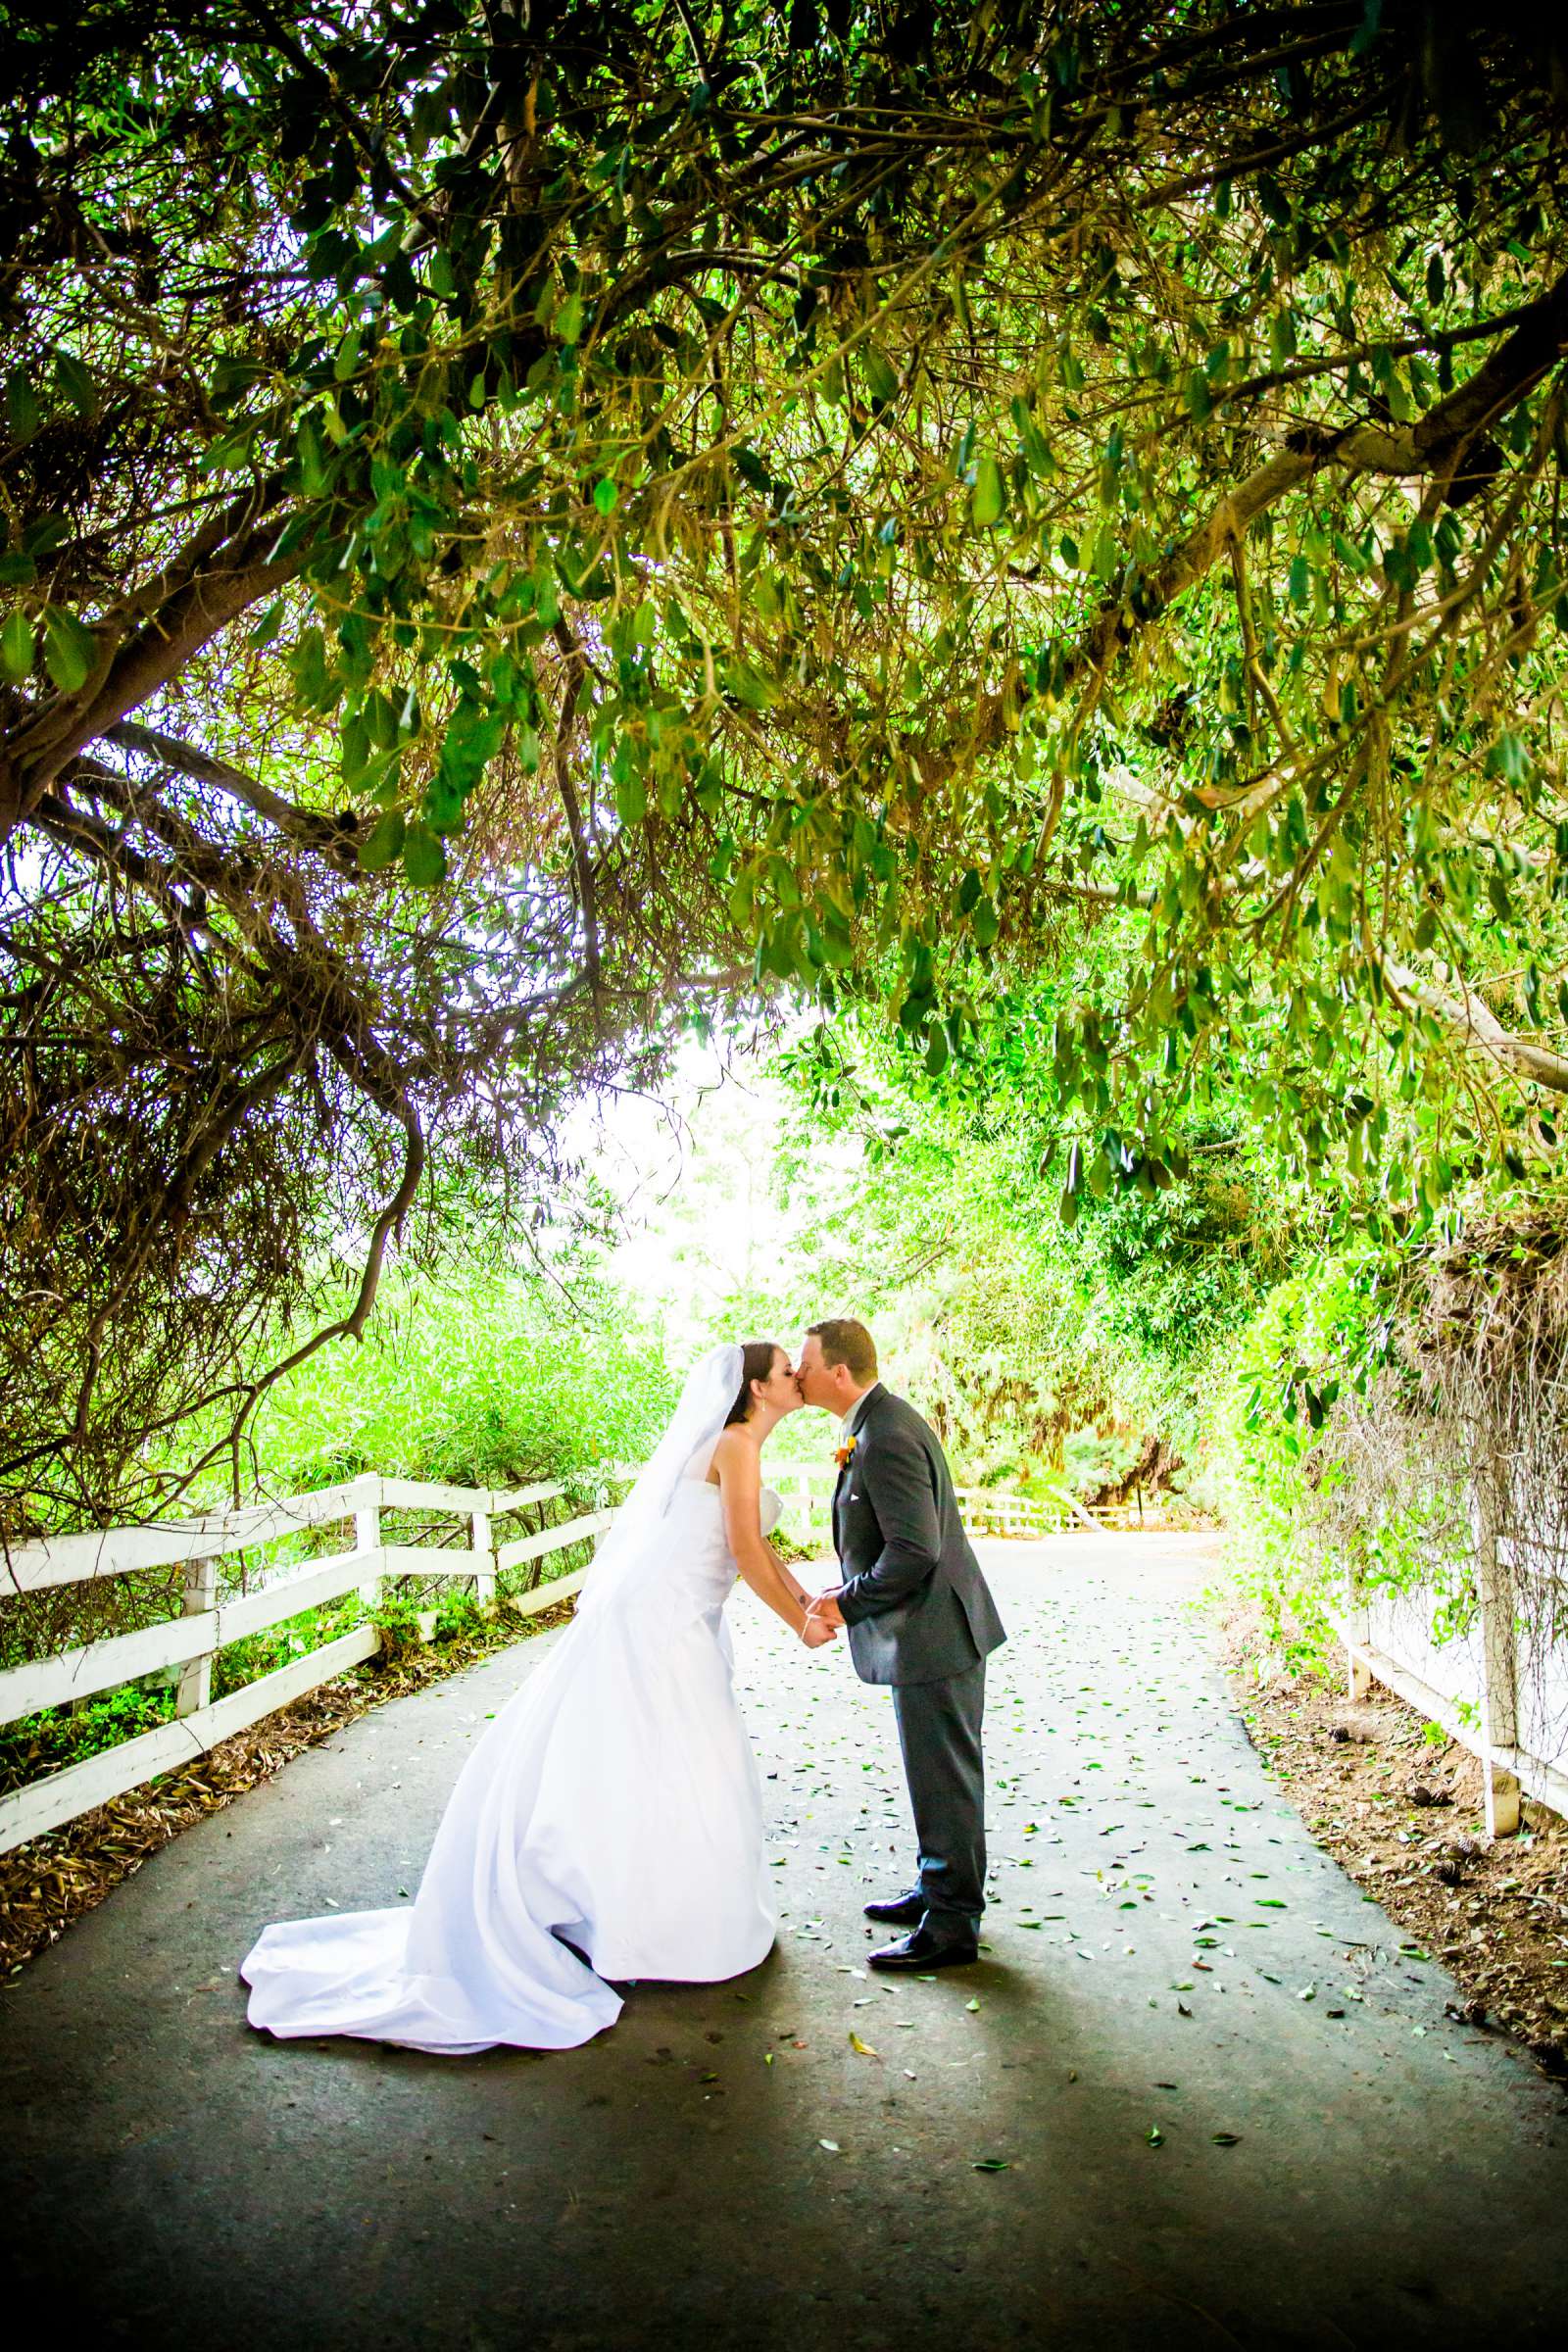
(849, 1344)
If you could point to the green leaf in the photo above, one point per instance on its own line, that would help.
(70, 649)
(991, 2164)
(425, 860)
(24, 415)
(1510, 759)
(880, 372)
(308, 662)
(1225, 2139)
(472, 741)
(606, 495)
(385, 844)
(749, 686)
(989, 497)
(311, 456)
(17, 647)
(76, 383)
(1281, 338)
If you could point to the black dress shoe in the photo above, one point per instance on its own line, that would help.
(925, 1951)
(904, 1911)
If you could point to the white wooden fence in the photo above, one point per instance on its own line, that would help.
(1501, 1690)
(986, 1511)
(187, 1644)
(191, 1642)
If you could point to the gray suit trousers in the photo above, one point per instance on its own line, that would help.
(939, 1732)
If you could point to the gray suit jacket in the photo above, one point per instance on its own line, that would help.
(914, 1602)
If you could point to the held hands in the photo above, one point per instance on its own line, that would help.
(823, 1620)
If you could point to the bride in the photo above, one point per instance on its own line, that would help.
(608, 1824)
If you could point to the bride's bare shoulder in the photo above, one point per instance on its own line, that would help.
(732, 1454)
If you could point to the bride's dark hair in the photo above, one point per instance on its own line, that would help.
(757, 1363)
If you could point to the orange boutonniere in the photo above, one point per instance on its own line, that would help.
(842, 1454)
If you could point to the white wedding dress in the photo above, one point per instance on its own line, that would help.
(615, 1803)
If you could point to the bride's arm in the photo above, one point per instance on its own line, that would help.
(740, 1486)
(792, 1582)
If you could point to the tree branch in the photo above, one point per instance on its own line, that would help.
(576, 664)
(1479, 1026)
(333, 837)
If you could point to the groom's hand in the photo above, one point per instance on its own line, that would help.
(815, 1634)
(825, 1607)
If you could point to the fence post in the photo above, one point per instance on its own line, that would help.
(1499, 1670)
(368, 1537)
(484, 1564)
(1357, 1674)
(195, 1686)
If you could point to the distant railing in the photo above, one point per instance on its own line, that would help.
(188, 1644)
(986, 1511)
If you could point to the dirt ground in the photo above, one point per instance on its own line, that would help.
(1402, 1814)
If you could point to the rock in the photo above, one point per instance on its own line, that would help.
(1421, 1794)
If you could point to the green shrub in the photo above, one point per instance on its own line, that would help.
(483, 1380)
(1331, 1485)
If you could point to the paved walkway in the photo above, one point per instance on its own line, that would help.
(1171, 1959)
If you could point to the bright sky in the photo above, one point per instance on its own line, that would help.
(695, 1176)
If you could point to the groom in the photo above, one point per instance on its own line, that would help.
(920, 1617)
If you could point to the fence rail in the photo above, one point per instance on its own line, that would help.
(1506, 1770)
(1501, 1690)
(191, 1642)
(985, 1511)
(188, 1644)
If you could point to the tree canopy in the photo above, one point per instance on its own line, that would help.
(530, 522)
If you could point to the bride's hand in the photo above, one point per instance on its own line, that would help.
(815, 1633)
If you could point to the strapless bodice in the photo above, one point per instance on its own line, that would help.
(696, 1558)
